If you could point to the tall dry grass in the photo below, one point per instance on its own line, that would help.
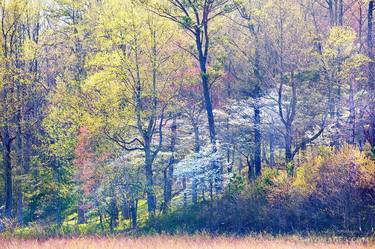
(184, 242)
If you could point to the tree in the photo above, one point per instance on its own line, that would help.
(251, 47)
(196, 17)
(132, 101)
(19, 29)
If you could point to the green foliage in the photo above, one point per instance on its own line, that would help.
(186, 22)
(236, 185)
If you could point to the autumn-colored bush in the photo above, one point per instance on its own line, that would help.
(331, 191)
(344, 186)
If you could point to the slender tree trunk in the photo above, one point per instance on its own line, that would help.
(203, 190)
(272, 149)
(336, 8)
(80, 212)
(125, 210)
(19, 150)
(194, 184)
(352, 121)
(288, 144)
(101, 221)
(168, 172)
(8, 187)
(133, 212)
(165, 194)
(250, 173)
(240, 167)
(331, 13)
(341, 13)
(206, 90)
(57, 179)
(258, 142)
(27, 150)
(194, 191)
(197, 142)
(100, 213)
(151, 198)
(202, 55)
(371, 69)
(337, 137)
(113, 214)
(20, 207)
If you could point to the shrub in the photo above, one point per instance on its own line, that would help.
(332, 190)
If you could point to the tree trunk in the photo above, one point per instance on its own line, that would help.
(27, 150)
(206, 89)
(100, 213)
(288, 144)
(57, 179)
(133, 212)
(168, 172)
(352, 122)
(125, 210)
(101, 221)
(272, 149)
(371, 69)
(337, 136)
(341, 13)
(165, 194)
(331, 13)
(194, 184)
(8, 187)
(197, 143)
(258, 143)
(151, 198)
(240, 167)
(80, 212)
(194, 193)
(250, 173)
(20, 207)
(202, 56)
(19, 150)
(113, 214)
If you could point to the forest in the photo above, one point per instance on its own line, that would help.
(139, 117)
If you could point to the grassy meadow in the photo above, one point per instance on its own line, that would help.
(185, 242)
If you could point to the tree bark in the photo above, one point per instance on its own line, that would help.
(194, 184)
(258, 142)
(352, 121)
(113, 213)
(341, 13)
(331, 13)
(125, 210)
(151, 198)
(20, 207)
(168, 172)
(272, 149)
(371, 70)
(250, 173)
(19, 151)
(80, 212)
(202, 56)
(8, 187)
(133, 212)
(288, 144)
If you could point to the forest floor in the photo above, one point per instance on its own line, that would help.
(185, 242)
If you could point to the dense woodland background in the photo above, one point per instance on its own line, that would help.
(226, 116)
